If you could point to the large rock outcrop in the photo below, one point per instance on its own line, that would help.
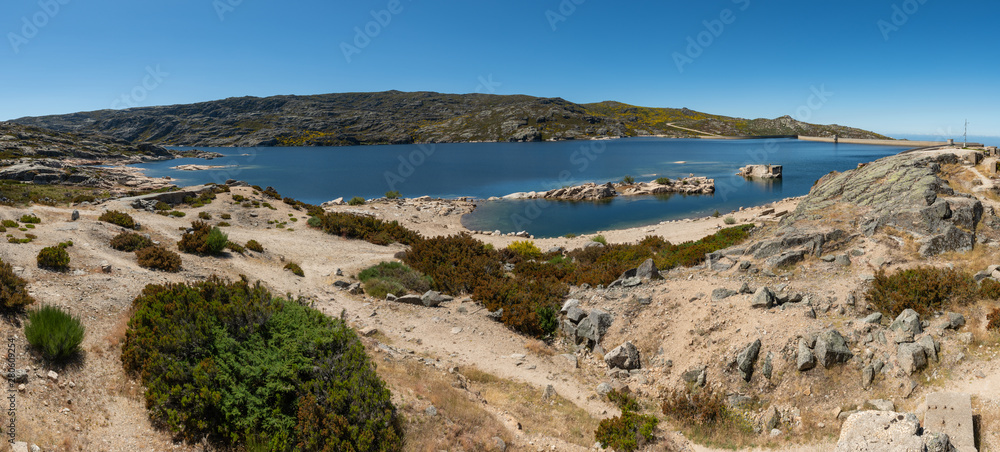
(904, 192)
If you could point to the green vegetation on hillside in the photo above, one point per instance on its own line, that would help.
(231, 362)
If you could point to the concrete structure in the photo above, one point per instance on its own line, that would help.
(906, 143)
(991, 150)
(760, 172)
(951, 413)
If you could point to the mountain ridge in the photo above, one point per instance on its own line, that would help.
(395, 117)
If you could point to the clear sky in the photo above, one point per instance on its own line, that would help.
(892, 66)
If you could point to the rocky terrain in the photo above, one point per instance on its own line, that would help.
(595, 192)
(395, 117)
(20, 141)
(778, 325)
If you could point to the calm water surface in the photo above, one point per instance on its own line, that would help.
(482, 170)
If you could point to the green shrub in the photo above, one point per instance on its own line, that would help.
(130, 241)
(600, 239)
(295, 269)
(629, 431)
(205, 216)
(223, 224)
(13, 289)
(366, 228)
(238, 198)
(176, 213)
(83, 198)
(526, 249)
(118, 218)
(29, 219)
(254, 245)
(54, 333)
(716, 214)
(216, 241)
(159, 258)
(9, 224)
(990, 289)
(393, 195)
(663, 181)
(628, 180)
(162, 206)
(729, 220)
(314, 222)
(923, 289)
(226, 216)
(53, 257)
(570, 235)
(231, 363)
(356, 201)
(393, 277)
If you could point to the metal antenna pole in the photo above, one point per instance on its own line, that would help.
(966, 137)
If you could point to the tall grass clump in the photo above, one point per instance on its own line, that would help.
(923, 289)
(13, 289)
(230, 363)
(393, 277)
(54, 333)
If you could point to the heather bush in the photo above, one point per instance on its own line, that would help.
(393, 195)
(233, 364)
(254, 245)
(393, 277)
(130, 241)
(923, 289)
(203, 239)
(356, 201)
(30, 219)
(702, 413)
(118, 218)
(159, 258)
(366, 228)
(993, 320)
(54, 333)
(9, 224)
(226, 216)
(205, 216)
(54, 258)
(13, 289)
(989, 288)
(629, 431)
(526, 249)
(295, 269)
(236, 247)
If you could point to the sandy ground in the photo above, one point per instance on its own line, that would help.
(94, 406)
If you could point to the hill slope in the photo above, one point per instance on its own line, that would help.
(394, 117)
(21, 141)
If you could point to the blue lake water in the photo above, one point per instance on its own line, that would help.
(482, 170)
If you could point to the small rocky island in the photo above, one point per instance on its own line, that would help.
(691, 185)
(760, 172)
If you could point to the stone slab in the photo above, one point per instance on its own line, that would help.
(951, 413)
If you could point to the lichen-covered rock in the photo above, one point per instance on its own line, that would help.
(908, 320)
(624, 356)
(764, 298)
(746, 359)
(911, 357)
(831, 348)
(805, 359)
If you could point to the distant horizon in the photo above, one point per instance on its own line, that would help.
(914, 136)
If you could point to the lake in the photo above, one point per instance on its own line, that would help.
(483, 170)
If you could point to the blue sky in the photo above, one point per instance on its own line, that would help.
(893, 66)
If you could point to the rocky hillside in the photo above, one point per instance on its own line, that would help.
(395, 117)
(21, 141)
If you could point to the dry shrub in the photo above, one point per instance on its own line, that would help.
(703, 415)
(990, 289)
(923, 289)
(130, 241)
(13, 289)
(539, 348)
(118, 218)
(993, 320)
(159, 258)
